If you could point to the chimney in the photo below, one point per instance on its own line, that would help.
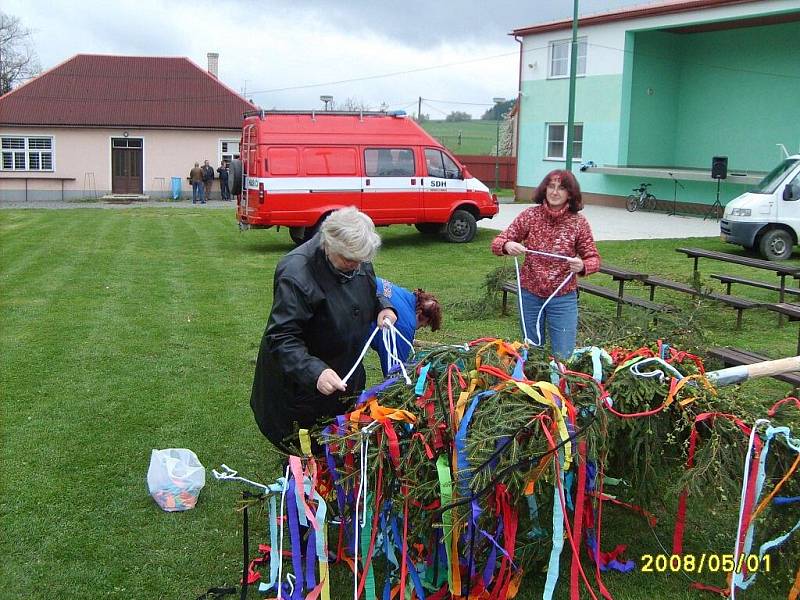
(213, 63)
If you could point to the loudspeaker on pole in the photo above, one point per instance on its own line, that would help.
(719, 167)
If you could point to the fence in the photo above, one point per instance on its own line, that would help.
(483, 167)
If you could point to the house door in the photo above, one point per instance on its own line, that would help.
(126, 166)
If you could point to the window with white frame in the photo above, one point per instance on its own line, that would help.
(560, 57)
(557, 141)
(228, 150)
(26, 153)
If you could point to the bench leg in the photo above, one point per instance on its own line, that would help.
(619, 302)
(738, 319)
(728, 289)
(781, 297)
(652, 292)
(504, 310)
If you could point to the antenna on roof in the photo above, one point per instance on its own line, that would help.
(313, 115)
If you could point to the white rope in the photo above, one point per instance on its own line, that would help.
(360, 356)
(360, 523)
(283, 522)
(229, 474)
(745, 478)
(551, 255)
(390, 334)
(525, 337)
(636, 369)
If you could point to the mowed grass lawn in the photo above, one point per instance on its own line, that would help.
(477, 136)
(132, 329)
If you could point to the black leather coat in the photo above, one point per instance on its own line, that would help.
(319, 319)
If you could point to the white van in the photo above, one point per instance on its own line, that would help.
(768, 217)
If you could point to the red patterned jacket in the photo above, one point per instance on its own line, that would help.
(558, 232)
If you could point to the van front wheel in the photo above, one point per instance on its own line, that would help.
(776, 244)
(460, 228)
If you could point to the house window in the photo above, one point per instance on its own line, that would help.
(228, 150)
(557, 141)
(560, 57)
(126, 142)
(33, 153)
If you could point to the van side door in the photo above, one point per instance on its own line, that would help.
(443, 187)
(391, 185)
(789, 210)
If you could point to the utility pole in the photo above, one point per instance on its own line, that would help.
(573, 65)
(419, 110)
(497, 103)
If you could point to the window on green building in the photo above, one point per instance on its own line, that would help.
(556, 141)
(560, 57)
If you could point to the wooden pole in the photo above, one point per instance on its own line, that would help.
(742, 373)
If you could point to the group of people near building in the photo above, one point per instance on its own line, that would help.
(327, 302)
(202, 180)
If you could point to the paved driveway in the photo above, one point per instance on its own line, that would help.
(609, 223)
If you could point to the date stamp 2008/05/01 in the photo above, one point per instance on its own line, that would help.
(705, 562)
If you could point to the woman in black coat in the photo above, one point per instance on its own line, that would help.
(324, 305)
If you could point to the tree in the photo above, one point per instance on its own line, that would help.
(457, 115)
(18, 59)
(498, 110)
(351, 105)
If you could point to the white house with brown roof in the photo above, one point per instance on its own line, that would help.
(125, 125)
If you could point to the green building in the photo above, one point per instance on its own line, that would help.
(662, 89)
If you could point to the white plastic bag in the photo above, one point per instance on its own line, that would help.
(175, 478)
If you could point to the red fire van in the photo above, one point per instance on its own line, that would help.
(298, 166)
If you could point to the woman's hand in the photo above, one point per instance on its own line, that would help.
(387, 313)
(514, 249)
(576, 264)
(329, 382)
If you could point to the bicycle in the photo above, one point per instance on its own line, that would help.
(641, 199)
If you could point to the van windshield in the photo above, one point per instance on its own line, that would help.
(775, 177)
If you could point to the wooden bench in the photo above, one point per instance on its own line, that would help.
(739, 304)
(597, 290)
(731, 279)
(790, 310)
(747, 261)
(780, 269)
(621, 276)
(733, 357)
(38, 178)
(604, 292)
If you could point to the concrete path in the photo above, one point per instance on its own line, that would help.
(609, 223)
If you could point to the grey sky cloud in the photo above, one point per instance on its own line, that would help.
(278, 52)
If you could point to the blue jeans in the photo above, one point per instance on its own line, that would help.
(560, 316)
(197, 192)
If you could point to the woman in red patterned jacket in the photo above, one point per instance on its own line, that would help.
(553, 227)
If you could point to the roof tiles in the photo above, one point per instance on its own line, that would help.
(129, 91)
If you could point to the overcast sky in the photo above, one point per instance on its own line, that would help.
(286, 53)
